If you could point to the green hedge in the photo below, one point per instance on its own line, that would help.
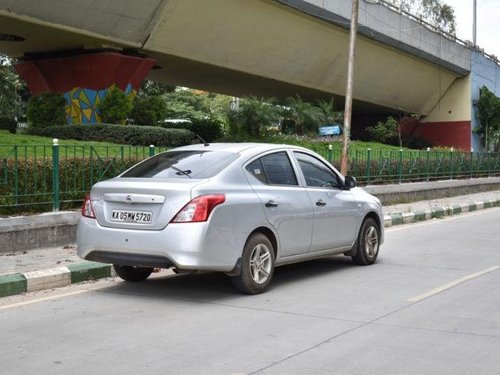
(34, 181)
(207, 128)
(120, 134)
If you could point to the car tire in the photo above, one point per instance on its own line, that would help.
(368, 243)
(257, 265)
(134, 274)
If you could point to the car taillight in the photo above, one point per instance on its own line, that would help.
(199, 208)
(87, 209)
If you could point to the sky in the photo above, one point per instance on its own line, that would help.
(488, 23)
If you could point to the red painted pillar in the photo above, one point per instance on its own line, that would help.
(456, 134)
(85, 79)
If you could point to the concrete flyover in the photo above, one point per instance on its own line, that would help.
(252, 47)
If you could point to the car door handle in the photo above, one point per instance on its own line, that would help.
(271, 203)
(320, 203)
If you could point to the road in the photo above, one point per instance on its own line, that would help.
(431, 305)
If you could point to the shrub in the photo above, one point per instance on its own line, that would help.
(47, 109)
(417, 143)
(7, 123)
(385, 131)
(148, 110)
(209, 129)
(77, 175)
(115, 107)
(121, 134)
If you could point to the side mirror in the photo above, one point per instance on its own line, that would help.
(350, 182)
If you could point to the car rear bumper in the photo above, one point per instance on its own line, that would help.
(190, 246)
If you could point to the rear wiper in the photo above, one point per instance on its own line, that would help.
(180, 172)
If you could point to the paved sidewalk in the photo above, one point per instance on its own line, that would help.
(438, 208)
(48, 268)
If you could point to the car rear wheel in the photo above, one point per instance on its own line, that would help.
(368, 243)
(129, 273)
(257, 265)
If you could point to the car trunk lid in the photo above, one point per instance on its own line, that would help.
(138, 203)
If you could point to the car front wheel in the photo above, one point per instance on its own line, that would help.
(257, 265)
(129, 273)
(368, 243)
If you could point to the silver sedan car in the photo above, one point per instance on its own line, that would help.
(240, 208)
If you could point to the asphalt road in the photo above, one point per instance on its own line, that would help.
(431, 305)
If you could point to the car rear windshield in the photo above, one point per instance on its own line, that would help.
(183, 164)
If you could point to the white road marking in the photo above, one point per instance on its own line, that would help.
(452, 284)
(30, 302)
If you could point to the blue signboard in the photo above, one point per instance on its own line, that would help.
(330, 130)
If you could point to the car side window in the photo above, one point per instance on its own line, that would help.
(316, 173)
(273, 169)
(257, 170)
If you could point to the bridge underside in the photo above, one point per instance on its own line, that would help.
(239, 47)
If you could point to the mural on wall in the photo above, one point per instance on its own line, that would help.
(83, 104)
(84, 79)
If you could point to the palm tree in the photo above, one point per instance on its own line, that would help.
(253, 114)
(328, 113)
(306, 116)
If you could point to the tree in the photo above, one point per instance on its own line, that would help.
(436, 12)
(11, 87)
(488, 114)
(252, 115)
(115, 107)
(328, 114)
(306, 116)
(151, 88)
(149, 110)
(47, 109)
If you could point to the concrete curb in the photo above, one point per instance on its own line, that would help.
(437, 212)
(85, 271)
(52, 278)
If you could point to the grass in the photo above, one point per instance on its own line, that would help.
(35, 146)
(318, 143)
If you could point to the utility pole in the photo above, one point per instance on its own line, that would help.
(348, 95)
(474, 23)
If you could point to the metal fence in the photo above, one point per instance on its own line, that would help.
(398, 166)
(45, 178)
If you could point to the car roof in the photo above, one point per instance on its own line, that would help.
(239, 148)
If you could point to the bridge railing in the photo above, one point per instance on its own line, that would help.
(36, 178)
(438, 30)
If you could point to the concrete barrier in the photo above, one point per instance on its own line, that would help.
(59, 228)
(417, 191)
(38, 231)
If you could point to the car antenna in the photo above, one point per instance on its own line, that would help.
(205, 143)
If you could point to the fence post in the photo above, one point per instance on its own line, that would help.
(428, 163)
(451, 163)
(16, 175)
(489, 164)
(471, 163)
(151, 150)
(55, 176)
(368, 165)
(330, 149)
(400, 167)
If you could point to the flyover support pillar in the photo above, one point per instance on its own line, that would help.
(85, 79)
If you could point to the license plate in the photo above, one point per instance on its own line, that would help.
(140, 217)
